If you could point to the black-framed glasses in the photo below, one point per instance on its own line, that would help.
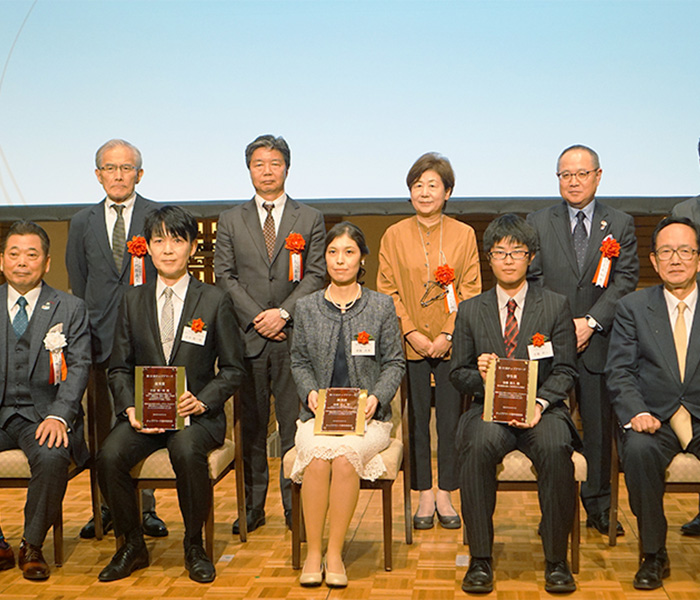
(433, 292)
(514, 254)
(684, 253)
(581, 175)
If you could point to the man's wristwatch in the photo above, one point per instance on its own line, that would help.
(448, 336)
(284, 314)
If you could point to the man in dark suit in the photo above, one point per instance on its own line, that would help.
(572, 262)
(265, 278)
(653, 375)
(156, 327)
(99, 271)
(44, 366)
(516, 320)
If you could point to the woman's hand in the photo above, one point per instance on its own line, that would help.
(370, 407)
(483, 363)
(312, 400)
(420, 343)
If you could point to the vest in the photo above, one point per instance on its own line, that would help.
(18, 394)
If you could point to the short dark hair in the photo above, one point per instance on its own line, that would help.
(355, 234)
(25, 227)
(432, 161)
(592, 153)
(511, 227)
(666, 221)
(271, 143)
(171, 220)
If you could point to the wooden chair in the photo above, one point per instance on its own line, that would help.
(396, 459)
(156, 472)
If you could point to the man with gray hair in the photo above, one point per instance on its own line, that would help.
(100, 268)
(269, 253)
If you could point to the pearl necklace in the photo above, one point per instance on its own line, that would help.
(346, 306)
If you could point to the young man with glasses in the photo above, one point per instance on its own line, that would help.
(653, 377)
(588, 253)
(509, 321)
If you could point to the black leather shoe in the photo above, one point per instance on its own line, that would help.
(692, 527)
(88, 530)
(32, 563)
(451, 522)
(479, 576)
(423, 522)
(198, 564)
(254, 518)
(153, 525)
(601, 522)
(288, 518)
(654, 568)
(126, 560)
(7, 557)
(558, 578)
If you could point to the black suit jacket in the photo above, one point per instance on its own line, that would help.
(555, 267)
(62, 400)
(254, 282)
(478, 331)
(688, 208)
(93, 275)
(137, 342)
(642, 372)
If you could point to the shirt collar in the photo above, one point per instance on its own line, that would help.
(503, 297)
(690, 300)
(179, 289)
(588, 211)
(127, 204)
(278, 202)
(32, 296)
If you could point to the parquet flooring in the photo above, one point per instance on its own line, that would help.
(261, 568)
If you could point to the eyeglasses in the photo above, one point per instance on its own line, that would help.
(123, 168)
(433, 292)
(684, 253)
(581, 175)
(514, 254)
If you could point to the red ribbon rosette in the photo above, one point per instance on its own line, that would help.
(610, 248)
(295, 243)
(444, 275)
(538, 340)
(363, 337)
(197, 325)
(138, 248)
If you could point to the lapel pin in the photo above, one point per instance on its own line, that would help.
(603, 225)
(46, 306)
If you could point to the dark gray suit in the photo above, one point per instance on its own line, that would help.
(49, 466)
(643, 376)
(555, 267)
(689, 208)
(482, 445)
(256, 284)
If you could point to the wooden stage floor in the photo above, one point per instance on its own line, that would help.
(428, 569)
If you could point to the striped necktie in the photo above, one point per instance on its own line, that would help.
(167, 324)
(118, 236)
(269, 229)
(511, 330)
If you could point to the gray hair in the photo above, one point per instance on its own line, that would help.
(271, 143)
(592, 153)
(116, 142)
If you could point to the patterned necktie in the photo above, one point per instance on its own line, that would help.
(167, 324)
(118, 236)
(269, 228)
(21, 320)
(511, 330)
(580, 239)
(681, 423)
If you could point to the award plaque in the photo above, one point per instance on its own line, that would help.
(341, 411)
(510, 390)
(157, 392)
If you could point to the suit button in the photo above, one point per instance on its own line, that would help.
(271, 278)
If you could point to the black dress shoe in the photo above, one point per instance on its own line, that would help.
(692, 527)
(88, 530)
(254, 518)
(423, 522)
(126, 560)
(479, 576)
(654, 568)
(153, 525)
(449, 522)
(558, 578)
(7, 557)
(288, 518)
(198, 564)
(601, 522)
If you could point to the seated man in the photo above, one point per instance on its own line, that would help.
(654, 382)
(44, 366)
(503, 322)
(154, 327)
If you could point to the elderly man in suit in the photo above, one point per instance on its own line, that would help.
(269, 253)
(100, 268)
(588, 253)
(44, 366)
(653, 375)
(508, 321)
(156, 327)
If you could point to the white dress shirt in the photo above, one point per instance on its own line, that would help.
(32, 297)
(588, 211)
(111, 215)
(276, 212)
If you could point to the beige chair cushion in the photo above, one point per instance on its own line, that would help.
(14, 463)
(684, 468)
(517, 467)
(158, 465)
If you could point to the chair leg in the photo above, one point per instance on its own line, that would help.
(58, 539)
(96, 498)
(386, 506)
(614, 491)
(209, 529)
(576, 532)
(407, 511)
(240, 500)
(296, 526)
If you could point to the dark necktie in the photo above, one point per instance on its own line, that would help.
(511, 330)
(21, 320)
(269, 228)
(580, 239)
(118, 236)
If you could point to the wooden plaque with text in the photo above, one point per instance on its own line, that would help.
(510, 390)
(157, 391)
(341, 411)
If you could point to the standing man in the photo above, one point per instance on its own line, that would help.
(588, 253)
(269, 253)
(100, 270)
(653, 376)
(44, 366)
